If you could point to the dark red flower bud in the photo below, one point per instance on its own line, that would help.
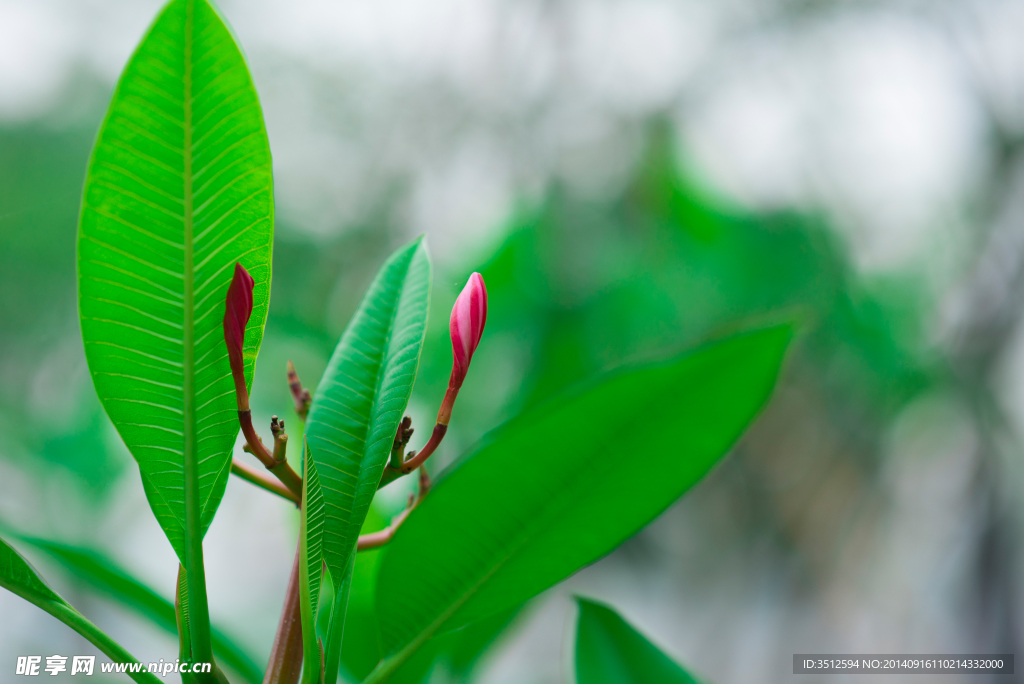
(236, 317)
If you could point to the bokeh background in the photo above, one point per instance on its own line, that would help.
(631, 177)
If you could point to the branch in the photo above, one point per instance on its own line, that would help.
(375, 540)
(280, 469)
(285, 664)
(402, 436)
(280, 439)
(300, 396)
(416, 460)
(257, 478)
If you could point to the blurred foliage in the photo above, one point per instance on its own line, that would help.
(106, 578)
(48, 409)
(580, 286)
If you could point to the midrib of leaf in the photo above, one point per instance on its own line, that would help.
(195, 574)
(379, 380)
(188, 360)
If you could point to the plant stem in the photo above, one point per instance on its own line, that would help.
(181, 617)
(391, 474)
(195, 572)
(280, 469)
(255, 477)
(375, 540)
(299, 395)
(285, 664)
(336, 628)
(78, 622)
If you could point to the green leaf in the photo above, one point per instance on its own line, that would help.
(455, 654)
(458, 652)
(361, 397)
(357, 408)
(311, 533)
(178, 190)
(565, 483)
(17, 576)
(610, 651)
(104, 576)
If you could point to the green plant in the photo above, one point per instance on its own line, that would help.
(174, 269)
(610, 651)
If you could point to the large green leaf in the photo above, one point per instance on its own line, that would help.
(104, 576)
(362, 395)
(564, 484)
(451, 657)
(17, 576)
(610, 651)
(456, 652)
(178, 190)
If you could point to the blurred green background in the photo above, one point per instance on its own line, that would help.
(631, 178)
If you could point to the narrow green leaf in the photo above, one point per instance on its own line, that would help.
(610, 651)
(19, 577)
(358, 406)
(178, 190)
(565, 483)
(311, 532)
(361, 397)
(104, 576)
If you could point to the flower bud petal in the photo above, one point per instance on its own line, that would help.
(236, 317)
(467, 325)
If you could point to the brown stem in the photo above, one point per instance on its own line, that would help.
(402, 436)
(300, 396)
(417, 460)
(377, 539)
(280, 469)
(280, 439)
(444, 414)
(396, 467)
(285, 664)
(256, 447)
(420, 458)
(257, 478)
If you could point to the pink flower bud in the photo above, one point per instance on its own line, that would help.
(467, 325)
(236, 317)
